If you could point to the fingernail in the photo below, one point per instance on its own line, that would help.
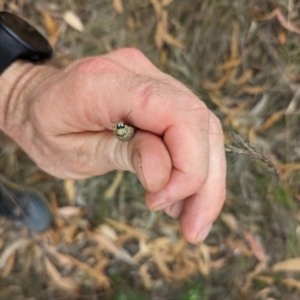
(174, 210)
(203, 233)
(137, 164)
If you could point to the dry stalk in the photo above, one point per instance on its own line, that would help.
(240, 146)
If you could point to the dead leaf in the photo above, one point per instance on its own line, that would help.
(260, 267)
(69, 233)
(255, 246)
(282, 37)
(60, 258)
(291, 282)
(245, 77)
(144, 250)
(65, 283)
(165, 3)
(285, 23)
(53, 201)
(266, 17)
(128, 229)
(218, 264)
(110, 246)
(204, 263)
(285, 169)
(69, 212)
(51, 27)
(270, 121)
(231, 64)
(110, 192)
(9, 265)
(239, 248)
(230, 221)
(1, 243)
(145, 276)
(265, 279)
(73, 20)
(252, 90)
(209, 85)
(108, 231)
(289, 265)
(234, 45)
(157, 8)
(69, 187)
(161, 263)
(264, 293)
(118, 6)
(17, 245)
(162, 35)
(101, 278)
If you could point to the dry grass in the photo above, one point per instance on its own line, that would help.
(106, 243)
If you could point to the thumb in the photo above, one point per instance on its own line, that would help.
(146, 155)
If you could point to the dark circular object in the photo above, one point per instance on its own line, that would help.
(20, 40)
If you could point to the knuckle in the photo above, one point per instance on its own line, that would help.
(145, 89)
(132, 54)
(95, 65)
(201, 111)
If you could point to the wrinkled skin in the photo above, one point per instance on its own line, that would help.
(59, 117)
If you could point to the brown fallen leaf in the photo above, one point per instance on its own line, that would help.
(282, 37)
(234, 44)
(110, 246)
(17, 245)
(59, 258)
(288, 265)
(239, 248)
(265, 279)
(65, 283)
(285, 23)
(157, 8)
(101, 278)
(270, 121)
(255, 246)
(69, 187)
(145, 276)
(118, 6)
(128, 229)
(69, 212)
(9, 265)
(110, 192)
(291, 282)
(252, 90)
(266, 17)
(73, 20)
(259, 268)
(52, 27)
(231, 64)
(165, 3)
(210, 85)
(245, 77)
(218, 264)
(204, 263)
(230, 221)
(69, 233)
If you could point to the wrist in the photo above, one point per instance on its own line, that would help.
(16, 84)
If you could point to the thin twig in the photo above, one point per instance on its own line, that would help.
(240, 146)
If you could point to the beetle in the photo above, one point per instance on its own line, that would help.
(122, 131)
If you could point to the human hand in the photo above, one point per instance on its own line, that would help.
(59, 117)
